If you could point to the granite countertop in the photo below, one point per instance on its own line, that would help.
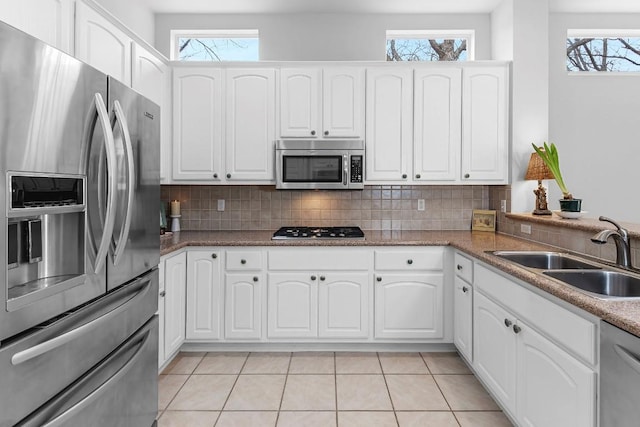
(623, 313)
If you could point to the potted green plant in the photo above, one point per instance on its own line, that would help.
(549, 155)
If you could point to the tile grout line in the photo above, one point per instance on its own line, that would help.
(231, 389)
(284, 388)
(384, 377)
(183, 384)
(335, 383)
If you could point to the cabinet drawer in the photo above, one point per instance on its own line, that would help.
(464, 268)
(564, 327)
(310, 259)
(244, 260)
(426, 259)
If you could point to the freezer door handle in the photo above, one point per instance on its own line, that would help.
(110, 147)
(136, 342)
(121, 243)
(142, 286)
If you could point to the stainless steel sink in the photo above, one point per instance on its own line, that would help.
(601, 282)
(545, 260)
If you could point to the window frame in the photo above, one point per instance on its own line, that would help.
(469, 35)
(599, 33)
(222, 34)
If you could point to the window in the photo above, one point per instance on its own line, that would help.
(430, 45)
(213, 45)
(616, 51)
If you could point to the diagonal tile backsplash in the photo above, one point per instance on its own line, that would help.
(374, 208)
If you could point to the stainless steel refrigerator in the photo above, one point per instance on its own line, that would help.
(79, 183)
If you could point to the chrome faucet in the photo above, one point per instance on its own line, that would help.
(621, 239)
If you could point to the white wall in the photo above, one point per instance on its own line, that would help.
(593, 121)
(134, 14)
(324, 37)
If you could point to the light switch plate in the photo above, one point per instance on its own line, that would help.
(420, 204)
(525, 228)
(503, 206)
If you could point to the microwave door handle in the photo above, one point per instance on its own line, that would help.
(110, 146)
(124, 233)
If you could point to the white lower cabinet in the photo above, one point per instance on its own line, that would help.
(204, 295)
(175, 282)
(325, 305)
(463, 318)
(409, 305)
(538, 382)
(243, 305)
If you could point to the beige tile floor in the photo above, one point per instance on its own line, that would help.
(323, 390)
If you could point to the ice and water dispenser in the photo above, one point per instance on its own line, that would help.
(45, 235)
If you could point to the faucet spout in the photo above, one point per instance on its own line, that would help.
(620, 237)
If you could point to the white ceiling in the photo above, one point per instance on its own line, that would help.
(376, 6)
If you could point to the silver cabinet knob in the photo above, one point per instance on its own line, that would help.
(326, 132)
(255, 278)
(214, 256)
(322, 278)
(466, 175)
(215, 175)
(162, 294)
(313, 132)
(313, 277)
(465, 289)
(404, 176)
(409, 261)
(379, 279)
(243, 261)
(228, 175)
(418, 176)
(507, 322)
(516, 329)
(459, 267)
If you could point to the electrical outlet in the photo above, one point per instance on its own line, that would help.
(420, 204)
(525, 228)
(220, 205)
(503, 205)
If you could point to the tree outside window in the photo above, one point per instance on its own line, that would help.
(228, 45)
(603, 54)
(429, 45)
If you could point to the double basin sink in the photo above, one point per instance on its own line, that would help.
(593, 278)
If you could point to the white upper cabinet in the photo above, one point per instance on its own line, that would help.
(250, 124)
(102, 44)
(197, 124)
(152, 78)
(321, 102)
(389, 111)
(437, 124)
(49, 20)
(485, 124)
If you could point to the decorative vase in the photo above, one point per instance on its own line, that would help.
(571, 205)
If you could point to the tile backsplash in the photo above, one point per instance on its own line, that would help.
(374, 208)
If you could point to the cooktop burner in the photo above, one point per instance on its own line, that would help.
(318, 233)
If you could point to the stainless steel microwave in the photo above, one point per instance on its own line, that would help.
(320, 164)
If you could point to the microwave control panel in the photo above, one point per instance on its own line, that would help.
(356, 168)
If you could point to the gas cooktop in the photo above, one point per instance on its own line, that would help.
(318, 233)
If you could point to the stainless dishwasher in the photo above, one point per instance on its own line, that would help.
(619, 377)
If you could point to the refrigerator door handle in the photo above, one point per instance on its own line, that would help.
(121, 243)
(110, 146)
(141, 288)
(137, 341)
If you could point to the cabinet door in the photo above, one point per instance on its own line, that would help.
(437, 124)
(299, 103)
(48, 20)
(101, 44)
(175, 293)
(342, 102)
(554, 389)
(485, 124)
(389, 110)
(293, 305)
(243, 305)
(197, 124)
(463, 318)
(152, 78)
(494, 349)
(343, 305)
(250, 124)
(409, 305)
(204, 295)
(161, 312)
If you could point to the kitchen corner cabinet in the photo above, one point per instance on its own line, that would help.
(409, 293)
(204, 295)
(532, 364)
(485, 124)
(197, 124)
(151, 77)
(437, 119)
(101, 44)
(463, 306)
(389, 113)
(175, 283)
(48, 20)
(322, 102)
(250, 124)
